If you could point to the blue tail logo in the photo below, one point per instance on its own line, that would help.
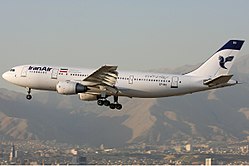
(223, 60)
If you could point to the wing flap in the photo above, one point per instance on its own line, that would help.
(218, 80)
(105, 75)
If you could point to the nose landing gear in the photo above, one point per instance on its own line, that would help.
(28, 96)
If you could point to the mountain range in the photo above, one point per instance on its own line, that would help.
(217, 115)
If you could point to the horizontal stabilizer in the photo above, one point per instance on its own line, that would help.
(218, 80)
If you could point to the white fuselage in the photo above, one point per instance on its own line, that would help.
(107, 81)
(130, 84)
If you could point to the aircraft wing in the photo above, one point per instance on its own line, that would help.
(104, 76)
(218, 80)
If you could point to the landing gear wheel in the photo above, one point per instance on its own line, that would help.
(112, 106)
(107, 103)
(29, 97)
(118, 106)
(100, 102)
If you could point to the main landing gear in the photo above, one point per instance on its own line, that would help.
(105, 102)
(28, 96)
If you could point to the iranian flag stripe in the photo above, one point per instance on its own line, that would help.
(63, 70)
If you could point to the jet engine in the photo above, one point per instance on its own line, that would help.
(70, 88)
(87, 97)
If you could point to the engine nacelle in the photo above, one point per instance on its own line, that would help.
(88, 97)
(70, 88)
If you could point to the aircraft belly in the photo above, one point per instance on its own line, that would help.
(42, 83)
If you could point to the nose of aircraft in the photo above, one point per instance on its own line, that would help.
(4, 75)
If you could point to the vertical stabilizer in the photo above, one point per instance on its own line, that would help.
(221, 62)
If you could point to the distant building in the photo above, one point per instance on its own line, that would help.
(178, 149)
(74, 152)
(13, 153)
(79, 160)
(102, 147)
(208, 162)
(244, 149)
(33, 163)
(82, 160)
(188, 147)
(2, 152)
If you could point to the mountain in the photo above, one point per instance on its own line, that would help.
(53, 117)
(219, 115)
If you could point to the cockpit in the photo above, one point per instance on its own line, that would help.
(9, 75)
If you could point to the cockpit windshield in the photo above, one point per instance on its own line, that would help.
(12, 70)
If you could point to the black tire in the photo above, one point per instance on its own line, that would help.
(29, 97)
(107, 103)
(100, 102)
(112, 106)
(118, 106)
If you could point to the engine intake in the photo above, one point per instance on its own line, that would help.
(70, 88)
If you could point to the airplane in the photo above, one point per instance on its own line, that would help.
(107, 81)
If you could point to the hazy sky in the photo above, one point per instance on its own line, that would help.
(133, 34)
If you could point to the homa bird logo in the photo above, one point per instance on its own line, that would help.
(223, 61)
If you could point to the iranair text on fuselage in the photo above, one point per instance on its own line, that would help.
(40, 68)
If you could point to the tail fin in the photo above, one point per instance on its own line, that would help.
(221, 61)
